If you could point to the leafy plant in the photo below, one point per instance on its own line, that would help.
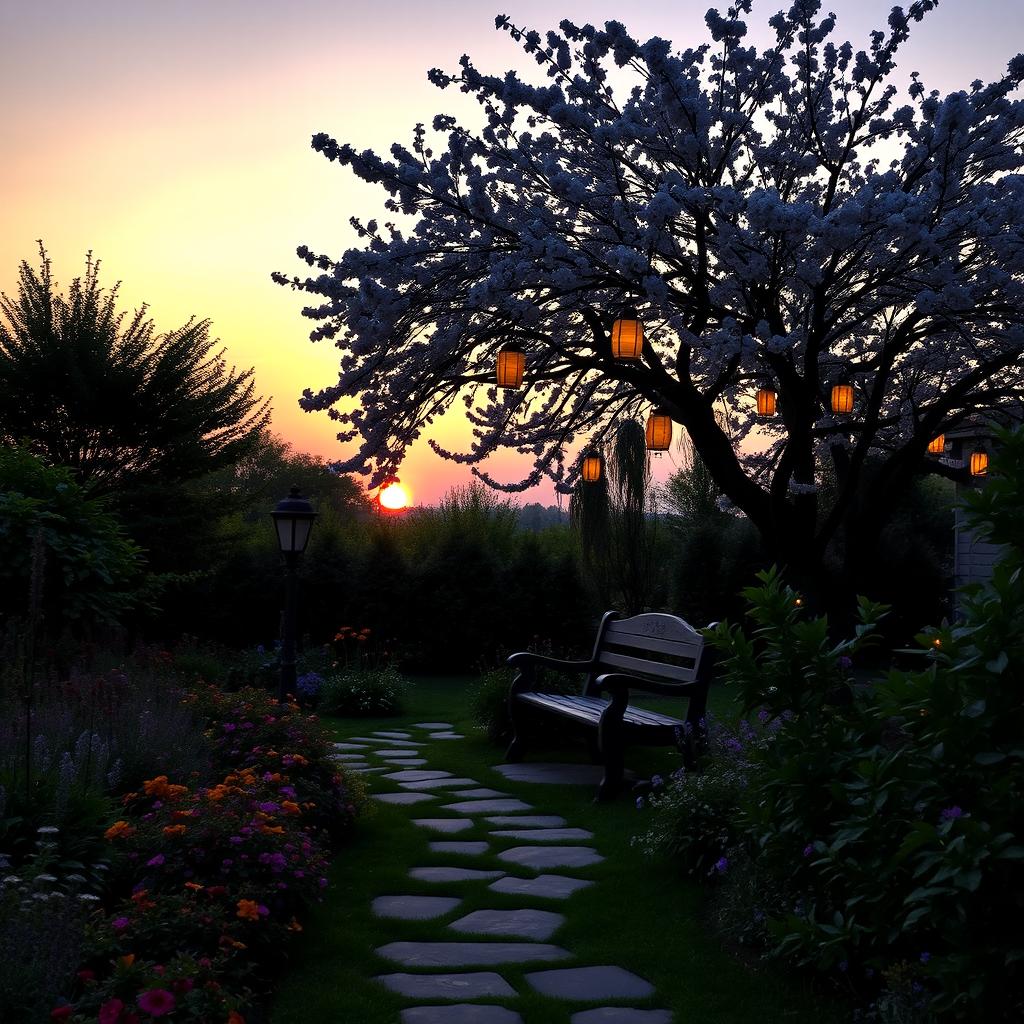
(363, 693)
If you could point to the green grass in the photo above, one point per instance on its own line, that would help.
(640, 915)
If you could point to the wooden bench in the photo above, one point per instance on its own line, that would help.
(652, 653)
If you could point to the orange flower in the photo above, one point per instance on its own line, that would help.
(119, 830)
(294, 926)
(174, 830)
(234, 1017)
(274, 830)
(291, 807)
(174, 791)
(128, 959)
(248, 910)
(129, 797)
(299, 759)
(194, 886)
(156, 787)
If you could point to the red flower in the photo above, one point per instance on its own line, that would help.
(156, 1002)
(62, 1012)
(110, 1011)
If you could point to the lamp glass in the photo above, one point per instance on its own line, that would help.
(592, 468)
(937, 445)
(659, 431)
(766, 402)
(842, 398)
(979, 462)
(511, 364)
(627, 336)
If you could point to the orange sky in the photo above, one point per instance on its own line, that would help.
(173, 140)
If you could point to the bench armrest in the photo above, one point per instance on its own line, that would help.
(615, 681)
(528, 663)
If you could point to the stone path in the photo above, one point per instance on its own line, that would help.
(438, 977)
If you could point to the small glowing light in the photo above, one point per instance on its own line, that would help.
(937, 445)
(936, 642)
(799, 602)
(979, 462)
(393, 496)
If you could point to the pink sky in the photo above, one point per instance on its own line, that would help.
(173, 141)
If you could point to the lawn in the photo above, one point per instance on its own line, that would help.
(640, 915)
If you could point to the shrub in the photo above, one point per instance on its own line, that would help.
(488, 704)
(356, 693)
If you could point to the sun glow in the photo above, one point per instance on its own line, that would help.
(393, 496)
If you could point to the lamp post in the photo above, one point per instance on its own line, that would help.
(293, 519)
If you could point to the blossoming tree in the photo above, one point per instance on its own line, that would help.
(776, 217)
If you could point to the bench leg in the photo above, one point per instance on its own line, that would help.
(517, 716)
(611, 745)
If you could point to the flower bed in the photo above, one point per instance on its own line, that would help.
(211, 877)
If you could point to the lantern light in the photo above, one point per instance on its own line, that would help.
(842, 397)
(511, 364)
(593, 467)
(766, 396)
(979, 462)
(293, 517)
(627, 336)
(659, 431)
(937, 445)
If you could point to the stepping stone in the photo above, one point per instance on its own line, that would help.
(545, 835)
(538, 857)
(621, 1015)
(552, 887)
(349, 746)
(348, 757)
(411, 762)
(434, 783)
(558, 774)
(397, 752)
(470, 849)
(527, 821)
(468, 954)
(414, 908)
(590, 983)
(366, 771)
(460, 1013)
(487, 806)
(433, 725)
(526, 924)
(479, 794)
(446, 736)
(394, 735)
(416, 775)
(444, 824)
(452, 874)
(402, 798)
(379, 740)
(474, 985)
(355, 766)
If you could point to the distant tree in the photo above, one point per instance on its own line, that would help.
(772, 215)
(103, 394)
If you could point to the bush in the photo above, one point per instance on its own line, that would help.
(363, 693)
(488, 705)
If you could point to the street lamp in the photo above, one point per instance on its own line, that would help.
(293, 519)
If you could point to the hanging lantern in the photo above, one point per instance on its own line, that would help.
(593, 467)
(766, 400)
(627, 335)
(979, 462)
(511, 364)
(937, 445)
(659, 431)
(842, 397)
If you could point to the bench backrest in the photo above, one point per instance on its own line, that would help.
(654, 645)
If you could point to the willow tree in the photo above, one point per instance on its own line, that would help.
(775, 216)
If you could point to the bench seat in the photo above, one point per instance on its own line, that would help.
(590, 709)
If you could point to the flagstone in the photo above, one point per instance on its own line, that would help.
(446, 736)
(362, 770)
(414, 908)
(527, 820)
(453, 874)
(460, 1013)
(402, 798)
(553, 887)
(621, 1015)
(468, 954)
(398, 752)
(349, 746)
(417, 775)
(469, 849)
(348, 757)
(538, 857)
(488, 806)
(378, 740)
(433, 725)
(525, 924)
(444, 824)
(394, 735)
(408, 762)
(606, 982)
(545, 835)
(472, 985)
(558, 774)
(479, 794)
(435, 783)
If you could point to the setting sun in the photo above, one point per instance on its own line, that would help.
(394, 496)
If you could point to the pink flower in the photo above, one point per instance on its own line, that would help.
(110, 1011)
(156, 1002)
(156, 861)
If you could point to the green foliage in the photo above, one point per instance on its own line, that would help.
(362, 693)
(107, 397)
(89, 573)
(488, 704)
(888, 816)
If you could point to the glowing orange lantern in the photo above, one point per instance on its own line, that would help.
(511, 364)
(627, 336)
(979, 462)
(593, 467)
(842, 398)
(659, 431)
(937, 445)
(765, 401)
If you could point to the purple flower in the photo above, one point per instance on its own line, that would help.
(268, 807)
(639, 803)
(844, 965)
(844, 662)
(722, 865)
(230, 727)
(236, 840)
(951, 813)
(156, 861)
(808, 849)
(925, 957)
(120, 923)
(763, 716)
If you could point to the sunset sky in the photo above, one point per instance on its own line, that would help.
(172, 139)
